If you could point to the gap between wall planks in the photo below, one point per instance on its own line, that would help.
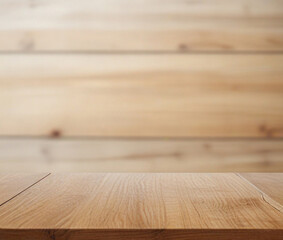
(142, 95)
(134, 25)
(180, 205)
(144, 155)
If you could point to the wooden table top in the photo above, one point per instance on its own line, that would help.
(141, 206)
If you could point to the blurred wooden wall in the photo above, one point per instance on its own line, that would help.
(141, 85)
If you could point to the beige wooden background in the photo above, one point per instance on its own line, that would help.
(141, 85)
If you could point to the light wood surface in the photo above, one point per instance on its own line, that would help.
(141, 69)
(166, 95)
(140, 155)
(152, 206)
(141, 25)
(14, 183)
(270, 184)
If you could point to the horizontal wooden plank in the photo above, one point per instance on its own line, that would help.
(12, 184)
(166, 95)
(141, 25)
(269, 184)
(200, 206)
(40, 155)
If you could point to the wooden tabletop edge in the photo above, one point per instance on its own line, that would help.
(138, 234)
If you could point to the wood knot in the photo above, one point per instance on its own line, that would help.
(262, 128)
(27, 43)
(207, 146)
(268, 132)
(55, 133)
(183, 47)
(178, 155)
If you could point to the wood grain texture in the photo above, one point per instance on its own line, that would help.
(11, 184)
(90, 206)
(141, 25)
(270, 184)
(166, 95)
(143, 155)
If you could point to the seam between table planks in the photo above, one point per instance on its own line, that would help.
(25, 189)
(265, 197)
